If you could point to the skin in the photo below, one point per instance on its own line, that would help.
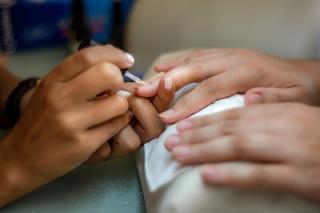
(68, 124)
(278, 145)
(149, 125)
(223, 72)
(62, 111)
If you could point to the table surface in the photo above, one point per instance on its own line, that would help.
(111, 187)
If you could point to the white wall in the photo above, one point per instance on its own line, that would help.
(283, 27)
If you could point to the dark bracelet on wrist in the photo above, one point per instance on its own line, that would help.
(12, 108)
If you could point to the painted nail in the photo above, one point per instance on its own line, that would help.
(110, 45)
(168, 113)
(149, 85)
(130, 58)
(173, 140)
(130, 113)
(211, 174)
(184, 125)
(181, 152)
(124, 93)
(256, 98)
(168, 84)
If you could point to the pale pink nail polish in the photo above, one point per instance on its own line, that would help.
(130, 58)
(168, 84)
(181, 152)
(256, 98)
(185, 125)
(211, 174)
(173, 140)
(168, 113)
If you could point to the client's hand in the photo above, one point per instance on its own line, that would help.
(224, 72)
(148, 125)
(279, 142)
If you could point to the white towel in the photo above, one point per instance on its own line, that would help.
(160, 168)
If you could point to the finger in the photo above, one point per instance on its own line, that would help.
(130, 87)
(185, 74)
(251, 147)
(149, 123)
(101, 155)
(98, 79)
(87, 58)
(167, 66)
(100, 111)
(149, 89)
(210, 90)
(249, 175)
(165, 96)
(272, 95)
(202, 134)
(98, 135)
(192, 56)
(125, 142)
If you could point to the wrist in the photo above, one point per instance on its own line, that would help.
(13, 180)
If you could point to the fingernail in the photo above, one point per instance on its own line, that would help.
(110, 45)
(184, 125)
(130, 58)
(173, 140)
(124, 93)
(168, 84)
(181, 152)
(168, 113)
(210, 174)
(149, 85)
(256, 98)
(130, 113)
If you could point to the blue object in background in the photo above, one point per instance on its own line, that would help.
(41, 23)
(126, 8)
(100, 19)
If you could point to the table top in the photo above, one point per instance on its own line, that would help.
(110, 187)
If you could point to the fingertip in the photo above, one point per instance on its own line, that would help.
(173, 141)
(168, 116)
(148, 90)
(161, 68)
(210, 174)
(253, 98)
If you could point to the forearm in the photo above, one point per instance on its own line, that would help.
(7, 83)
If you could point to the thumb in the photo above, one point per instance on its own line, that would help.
(271, 95)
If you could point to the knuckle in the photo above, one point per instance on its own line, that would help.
(232, 114)
(85, 57)
(133, 144)
(239, 145)
(66, 124)
(227, 128)
(259, 177)
(110, 72)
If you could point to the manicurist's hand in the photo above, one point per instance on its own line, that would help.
(278, 145)
(224, 72)
(64, 122)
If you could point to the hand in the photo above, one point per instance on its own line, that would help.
(64, 123)
(148, 126)
(279, 143)
(224, 72)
